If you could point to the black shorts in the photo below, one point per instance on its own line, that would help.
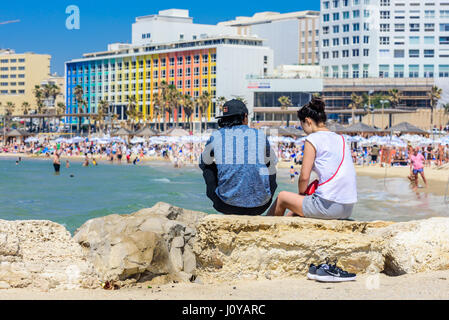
(210, 174)
(374, 158)
(57, 167)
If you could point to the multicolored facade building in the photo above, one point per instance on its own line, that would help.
(215, 65)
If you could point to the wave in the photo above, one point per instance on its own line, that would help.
(163, 180)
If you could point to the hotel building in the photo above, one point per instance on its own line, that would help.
(294, 36)
(404, 41)
(217, 65)
(19, 74)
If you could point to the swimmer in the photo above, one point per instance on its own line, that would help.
(94, 162)
(67, 164)
(17, 163)
(86, 161)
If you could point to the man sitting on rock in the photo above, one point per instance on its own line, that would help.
(242, 180)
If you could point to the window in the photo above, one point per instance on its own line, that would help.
(214, 70)
(355, 70)
(336, 16)
(444, 13)
(365, 71)
(336, 29)
(196, 59)
(385, 14)
(399, 27)
(384, 3)
(205, 71)
(345, 71)
(366, 39)
(399, 53)
(384, 27)
(356, 14)
(334, 71)
(399, 40)
(326, 43)
(345, 40)
(399, 71)
(325, 55)
(429, 40)
(444, 27)
(345, 53)
(384, 40)
(196, 71)
(196, 83)
(366, 26)
(163, 62)
(172, 61)
(346, 28)
(180, 60)
(355, 39)
(214, 58)
(345, 15)
(188, 84)
(326, 4)
(356, 27)
(355, 52)
(413, 53)
(187, 72)
(429, 14)
(326, 17)
(325, 30)
(414, 40)
(444, 70)
(444, 40)
(428, 71)
(429, 27)
(334, 54)
(429, 53)
(205, 58)
(414, 27)
(365, 52)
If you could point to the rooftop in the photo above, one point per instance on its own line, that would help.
(184, 44)
(266, 17)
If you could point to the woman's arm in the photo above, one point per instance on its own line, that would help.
(307, 165)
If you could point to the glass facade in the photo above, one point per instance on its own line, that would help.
(270, 99)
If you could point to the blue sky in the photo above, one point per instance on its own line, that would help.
(42, 27)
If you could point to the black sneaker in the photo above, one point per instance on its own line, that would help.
(332, 273)
(311, 275)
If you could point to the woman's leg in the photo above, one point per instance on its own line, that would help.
(424, 178)
(287, 200)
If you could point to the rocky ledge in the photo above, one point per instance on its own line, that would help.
(166, 244)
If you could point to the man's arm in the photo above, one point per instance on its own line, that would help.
(207, 155)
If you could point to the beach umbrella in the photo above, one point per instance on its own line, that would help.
(360, 127)
(405, 127)
(175, 132)
(334, 126)
(121, 132)
(31, 139)
(146, 132)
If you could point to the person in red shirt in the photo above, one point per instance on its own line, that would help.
(417, 165)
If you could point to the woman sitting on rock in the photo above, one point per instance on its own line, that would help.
(329, 156)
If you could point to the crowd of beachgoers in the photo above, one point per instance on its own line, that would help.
(187, 150)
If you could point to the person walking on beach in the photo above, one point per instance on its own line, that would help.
(238, 165)
(417, 167)
(328, 154)
(374, 154)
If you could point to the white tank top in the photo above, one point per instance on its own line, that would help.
(329, 153)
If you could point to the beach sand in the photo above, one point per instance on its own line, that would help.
(431, 285)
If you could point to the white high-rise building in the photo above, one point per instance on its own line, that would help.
(385, 39)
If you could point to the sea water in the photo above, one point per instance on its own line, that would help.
(32, 191)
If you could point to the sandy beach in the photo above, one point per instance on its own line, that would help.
(430, 285)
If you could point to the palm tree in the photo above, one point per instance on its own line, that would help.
(60, 110)
(446, 108)
(173, 96)
(103, 110)
(356, 103)
(81, 102)
(203, 102)
(9, 110)
(131, 111)
(188, 107)
(285, 102)
(26, 109)
(39, 96)
(434, 96)
(220, 103)
(394, 97)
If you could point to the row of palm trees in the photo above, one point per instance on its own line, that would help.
(168, 100)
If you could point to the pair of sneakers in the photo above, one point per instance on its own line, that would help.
(327, 272)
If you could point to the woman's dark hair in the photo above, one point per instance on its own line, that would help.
(313, 110)
(231, 121)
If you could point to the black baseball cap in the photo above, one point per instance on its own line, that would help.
(232, 108)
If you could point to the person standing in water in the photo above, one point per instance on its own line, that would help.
(67, 164)
(417, 165)
(57, 162)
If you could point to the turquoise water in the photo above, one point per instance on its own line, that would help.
(32, 191)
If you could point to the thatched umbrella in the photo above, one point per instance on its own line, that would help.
(360, 127)
(121, 132)
(176, 132)
(334, 126)
(285, 132)
(405, 127)
(146, 132)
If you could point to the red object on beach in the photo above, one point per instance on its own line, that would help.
(311, 189)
